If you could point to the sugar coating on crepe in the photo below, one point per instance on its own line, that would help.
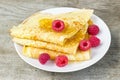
(31, 29)
(35, 52)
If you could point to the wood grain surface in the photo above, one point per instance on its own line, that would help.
(12, 67)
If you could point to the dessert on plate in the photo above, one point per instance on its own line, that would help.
(64, 37)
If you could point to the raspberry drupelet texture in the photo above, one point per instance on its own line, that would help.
(58, 25)
(61, 60)
(93, 29)
(43, 58)
(84, 45)
(94, 41)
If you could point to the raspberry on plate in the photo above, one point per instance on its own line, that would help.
(61, 60)
(94, 41)
(93, 29)
(84, 45)
(43, 58)
(58, 25)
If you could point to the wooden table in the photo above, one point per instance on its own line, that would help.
(12, 67)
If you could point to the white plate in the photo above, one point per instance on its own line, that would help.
(96, 55)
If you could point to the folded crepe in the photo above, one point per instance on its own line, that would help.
(35, 52)
(38, 26)
(69, 47)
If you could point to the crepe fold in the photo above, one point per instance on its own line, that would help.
(34, 29)
(70, 47)
(35, 52)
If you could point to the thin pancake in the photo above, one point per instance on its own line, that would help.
(69, 47)
(35, 52)
(31, 28)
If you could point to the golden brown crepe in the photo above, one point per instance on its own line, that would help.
(69, 47)
(37, 36)
(32, 29)
(35, 52)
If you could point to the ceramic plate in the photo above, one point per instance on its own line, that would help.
(96, 53)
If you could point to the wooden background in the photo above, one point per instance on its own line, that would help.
(12, 67)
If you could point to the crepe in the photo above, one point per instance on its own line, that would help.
(69, 47)
(35, 52)
(32, 29)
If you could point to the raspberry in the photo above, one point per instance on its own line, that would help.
(61, 60)
(43, 58)
(58, 25)
(93, 29)
(94, 41)
(84, 45)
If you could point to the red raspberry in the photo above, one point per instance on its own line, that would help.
(58, 25)
(43, 58)
(84, 45)
(94, 41)
(93, 29)
(61, 60)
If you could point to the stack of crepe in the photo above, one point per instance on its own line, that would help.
(37, 36)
